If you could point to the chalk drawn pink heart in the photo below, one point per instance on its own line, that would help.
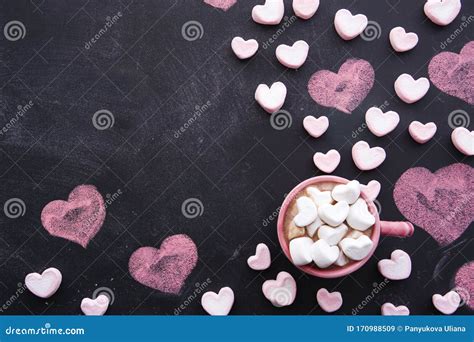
(453, 73)
(221, 4)
(164, 269)
(464, 282)
(442, 203)
(344, 90)
(79, 218)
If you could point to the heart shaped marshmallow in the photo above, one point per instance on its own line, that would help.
(398, 267)
(422, 133)
(323, 254)
(262, 258)
(367, 158)
(329, 301)
(388, 309)
(46, 284)
(319, 197)
(463, 140)
(380, 123)
(327, 162)
(401, 40)
(359, 216)
(442, 12)
(305, 9)
(312, 228)
(356, 249)
(270, 13)
(332, 235)
(95, 307)
(348, 192)
(335, 214)
(316, 126)
(307, 211)
(342, 260)
(410, 90)
(292, 56)
(349, 26)
(244, 49)
(371, 190)
(448, 303)
(271, 99)
(282, 291)
(218, 304)
(300, 251)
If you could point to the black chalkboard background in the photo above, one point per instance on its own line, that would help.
(144, 72)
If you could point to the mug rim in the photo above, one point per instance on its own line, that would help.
(311, 269)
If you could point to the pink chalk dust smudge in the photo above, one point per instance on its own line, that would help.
(167, 268)
(453, 74)
(464, 282)
(344, 90)
(221, 4)
(442, 203)
(79, 218)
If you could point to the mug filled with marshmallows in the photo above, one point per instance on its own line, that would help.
(328, 227)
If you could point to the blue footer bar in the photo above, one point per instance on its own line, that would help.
(237, 328)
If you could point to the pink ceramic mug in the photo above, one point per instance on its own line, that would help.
(400, 229)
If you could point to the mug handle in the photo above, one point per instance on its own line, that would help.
(400, 229)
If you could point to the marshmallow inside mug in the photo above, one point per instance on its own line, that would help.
(343, 249)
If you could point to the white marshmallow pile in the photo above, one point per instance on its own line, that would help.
(334, 221)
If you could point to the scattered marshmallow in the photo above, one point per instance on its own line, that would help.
(244, 49)
(316, 126)
(270, 13)
(292, 56)
(262, 258)
(371, 190)
(356, 249)
(349, 26)
(388, 309)
(300, 251)
(380, 123)
(46, 284)
(366, 157)
(348, 192)
(327, 162)
(448, 303)
(442, 12)
(305, 9)
(271, 99)
(359, 216)
(463, 140)
(332, 235)
(319, 197)
(333, 214)
(410, 90)
(422, 133)
(282, 291)
(95, 307)
(218, 304)
(402, 41)
(307, 211)
(323, 254)
(329, 301)
(398, 267)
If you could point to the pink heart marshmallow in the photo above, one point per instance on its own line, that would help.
(398, 267)
(448, 303)
(329, 301)
(218, 304)
(327, 162)
(95, 307)
(463, 140)
(422, 133)
(282, 291)
(244, 49)
(316, 126)
(388, 309)
(367, 158)
(262, 258)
